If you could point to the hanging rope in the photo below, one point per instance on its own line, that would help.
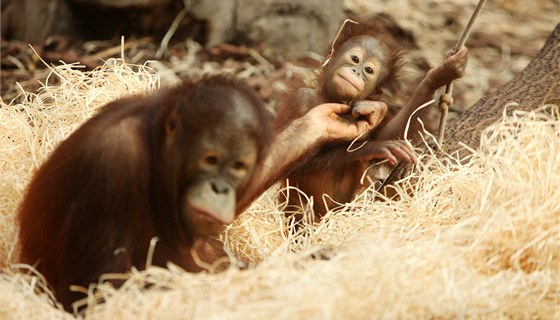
(446, 99)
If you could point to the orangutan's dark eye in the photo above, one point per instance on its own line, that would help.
(212, 160)
(355, 59)
(238, 165)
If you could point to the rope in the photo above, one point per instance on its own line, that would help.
(446, 99)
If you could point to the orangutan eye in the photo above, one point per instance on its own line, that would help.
(212, 160)
(355, 59)
(369, 70)
(238, 165)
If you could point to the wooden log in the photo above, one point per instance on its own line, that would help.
(538, 84)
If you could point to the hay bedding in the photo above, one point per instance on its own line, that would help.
(480, 237)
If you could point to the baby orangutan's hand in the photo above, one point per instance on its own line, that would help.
(453, 67)
(391, 150)
(373, 111)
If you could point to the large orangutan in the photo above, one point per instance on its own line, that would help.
(177, 165)
(365, 59)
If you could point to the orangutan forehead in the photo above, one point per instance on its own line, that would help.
(372, 45)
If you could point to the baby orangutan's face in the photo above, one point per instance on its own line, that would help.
(358, 66)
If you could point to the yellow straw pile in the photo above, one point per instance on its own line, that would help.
(478, 238)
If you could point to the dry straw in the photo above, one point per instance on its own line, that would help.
(478, 238)
(32, 127)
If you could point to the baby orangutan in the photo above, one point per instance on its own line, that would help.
(365, 60)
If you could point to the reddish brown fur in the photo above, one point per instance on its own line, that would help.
(119, 180)
(334, 171)
(377, 30)
(292, 106)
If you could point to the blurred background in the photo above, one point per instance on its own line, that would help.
(267, 43)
